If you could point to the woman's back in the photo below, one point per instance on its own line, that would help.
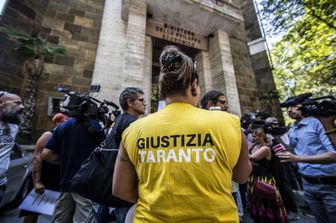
(184, 158)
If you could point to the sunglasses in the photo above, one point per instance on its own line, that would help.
(142, 100)
(221, 101)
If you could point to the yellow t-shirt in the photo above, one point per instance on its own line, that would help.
(184, 158)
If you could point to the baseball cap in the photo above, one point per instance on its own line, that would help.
(59, 117)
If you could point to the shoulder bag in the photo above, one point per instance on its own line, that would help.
(94, 178)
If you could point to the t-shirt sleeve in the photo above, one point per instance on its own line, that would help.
(53, 143)
(127, 122)
(129, 145)
(100, 131)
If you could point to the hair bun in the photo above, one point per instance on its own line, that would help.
(169, 57)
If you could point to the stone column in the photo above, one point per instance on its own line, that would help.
(204, 71)
(147, 81)
(109, 59)
(222, 70)
(134, 57)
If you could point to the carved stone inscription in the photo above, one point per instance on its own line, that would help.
(176, 34)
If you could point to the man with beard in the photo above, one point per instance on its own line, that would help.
(10, 108)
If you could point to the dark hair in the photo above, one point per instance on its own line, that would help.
(246, 120)
(178, 71)
(129, 93)
(262, 114)
(210, 96)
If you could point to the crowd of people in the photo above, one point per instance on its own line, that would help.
(192, 161)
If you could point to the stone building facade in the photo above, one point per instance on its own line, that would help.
(117, 43)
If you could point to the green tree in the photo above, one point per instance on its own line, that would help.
(268, 98)
(304, 60)
(33, 51)
(281, 15)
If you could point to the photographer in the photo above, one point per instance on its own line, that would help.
(71, 143)
(316, 158)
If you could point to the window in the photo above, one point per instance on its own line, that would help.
(54, 105)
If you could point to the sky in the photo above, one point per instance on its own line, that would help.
(271, 40)
(2, 5)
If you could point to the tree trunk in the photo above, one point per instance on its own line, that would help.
(32, 70)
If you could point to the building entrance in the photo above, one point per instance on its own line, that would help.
(158, 45)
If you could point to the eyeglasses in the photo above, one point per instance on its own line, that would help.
(221, 101)
(142, 100)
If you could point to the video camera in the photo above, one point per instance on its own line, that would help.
(271, 126)
(83, 106)
(321, 106)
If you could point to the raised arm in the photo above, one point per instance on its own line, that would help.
(261, 153)
(243, 167)
(125, 179)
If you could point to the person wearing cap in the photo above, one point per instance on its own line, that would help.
(316, 158)
(70, 145)
(45, 174)
(38, 163)
(11, 108)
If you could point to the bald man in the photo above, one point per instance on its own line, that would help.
(10, 109)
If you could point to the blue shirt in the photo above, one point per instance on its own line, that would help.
(308, 138)
(73, 142)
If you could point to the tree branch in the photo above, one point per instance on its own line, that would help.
(312, 13)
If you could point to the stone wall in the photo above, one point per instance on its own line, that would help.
(24, 16)
(71, 24)
(244, 71)
(74, 25)
(260, 64)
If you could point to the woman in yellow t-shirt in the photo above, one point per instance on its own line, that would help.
(177, 165)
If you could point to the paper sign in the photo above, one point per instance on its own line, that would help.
(41, 203)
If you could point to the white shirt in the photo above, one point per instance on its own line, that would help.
(8, 133)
